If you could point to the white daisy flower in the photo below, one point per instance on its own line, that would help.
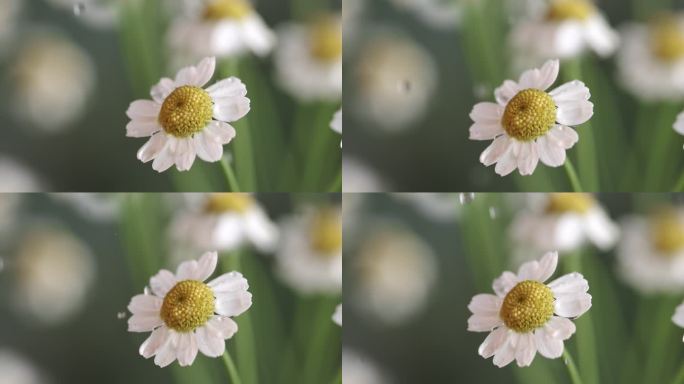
(359, 177)
(395, 80)
(336, 123)
(55, 272)
(564, 221)
(225, 222)
(308, 59)
(337, 316)
(564, 29)
(357, 369)
(222, 28)
(396, 271)
(185, 315)
(185, 120)
(309, 257)
(53, 81)
(16, 369)
(527, 316)
(528, 124)
(657, 49)
(678, 317)
(17, 178)
(651, 253)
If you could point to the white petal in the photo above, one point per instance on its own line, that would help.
(187, 349)
(198, 270)
(550, 152)
(151, 345)
(144, 322)
(600, 36)
(506, 353)
(146, 304)
(233, 304)
(570, 293)
(209, 343)
(525, 349)
(541, 78)
(208, 146)
(505, 283)
(600, 229)
(260, 230)
(142, 127)
(560, 328)
(166, 354)
(152, 147)
(165, 158)
(257, 35)
(230, 103)
(539, 270)
(493, 342)
(570, 92)
(506, 92)
(548, 346)
(508, 162)
(482, 323)
(574, 112)
(143, 109)
(487, 113)
(230, 282)
(480, 131)
(678, 317)
(679, 124)
(205, 70)
(163, 89)
(495, 150)
(223, 327)
(162, 282)
(220, 132)
(562, 136)
(184, 154)
(527, 158)
(485, 304)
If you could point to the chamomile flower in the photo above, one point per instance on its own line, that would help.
(187, 315)
(309, 256)
(528, 124)
(185, 120)
(18, 178)
(651, 253)
(358, 369)
(225, 222)
(337, 316)
(359, 177)
(308, 59)
(656, 48)
(678, 317)
(564, 221)
(527, 316)
(221, 28)
(564, 29)
(16, 369)
(336, 123)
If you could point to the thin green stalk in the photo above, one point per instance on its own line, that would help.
(659, 145)
(230, 175)
(659, 338)
(321, 330)
(319, 144)
(338, 378)
(572, 369)
(231, 368)
(679, 378)
(336, 185)
(572, 175)
(679, 187)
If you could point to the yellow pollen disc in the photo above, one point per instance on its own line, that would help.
(528, 306)
(561, 10)
(186, 111)
(569, 202)
(529, 115)
(227, 9)
(228, 202)
(667, 39)
(326, 39)
(667, 233)
(326, 231)
(187, 306)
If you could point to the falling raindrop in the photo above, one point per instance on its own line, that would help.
(404, 86)
(466, 198)
(79, 8)
(2, 264)
(565, 361)
(493, 213)
(146, 291)
(121, 315)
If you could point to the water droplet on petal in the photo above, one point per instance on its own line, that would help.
(79, 8)
(121, 315)
(466, 198)
(565, 361)
(492, 213)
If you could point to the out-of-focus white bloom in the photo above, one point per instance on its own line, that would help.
(527, 316)
(656, 49)
(438, 13)
(336, 123)
(651, 253)
(395, 79)
(528, 124)
(53, 80)
(564, 29)
(309, 256)
(17, 178)
(308, 59)
(352, 14)
(222, 28)
(358, 177)
(102, 14)
(226, 222)
(357, 369)
(437, 206)
(184, 120)
(187, 316)
(17, 370)
(9, 17)
(337, 316)
(395, 273)
(678, 317)
(54, 273)
(95, 206)
(564, 221)
(9, 205)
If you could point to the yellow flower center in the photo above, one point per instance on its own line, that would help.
(187, 306)
(529, 115)
(667, 233)
(326, 39)
(528, 306)
(228, 202)
(326, 235)
(667, 39)
(186, 111)
(569, 203)
(561, 10)
(227, 9)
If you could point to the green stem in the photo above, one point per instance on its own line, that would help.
(318, 144)
(230, 175)
(338, 378)
(336, 185)
(679, 379)
(660, 135)
(232, 370)
(572, 369)
(679, 187)
(572, 175)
